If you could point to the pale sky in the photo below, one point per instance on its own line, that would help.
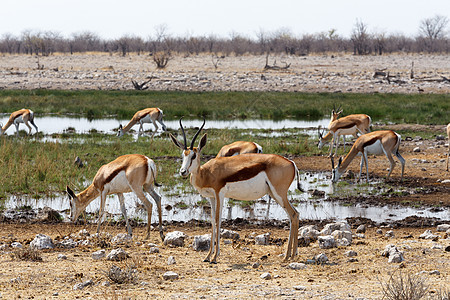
(111, 19)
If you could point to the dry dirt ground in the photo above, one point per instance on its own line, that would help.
(234, 276)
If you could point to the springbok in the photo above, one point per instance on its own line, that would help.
(241, 177)
(348, 125)
(127, 173)
(448, 135)
(377, 142)
(239, 147)
(21, 116)
(147, 115)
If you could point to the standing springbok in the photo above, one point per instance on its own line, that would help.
(127, 173)
(377, 142)
(241, 177)
(239, 147)
(21, 116)
(448, 136)
(348, 125)
(147, 115)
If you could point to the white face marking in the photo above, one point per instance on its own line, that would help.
(189, 160)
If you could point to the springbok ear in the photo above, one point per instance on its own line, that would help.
(202, 142)
(332, 163)
(70, 192)
(120, 126)
(176, 142)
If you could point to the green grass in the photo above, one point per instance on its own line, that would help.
(399, 108)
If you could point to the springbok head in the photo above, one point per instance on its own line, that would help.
(335, 170)
(320, 132)
(76, 207)
(191, 155)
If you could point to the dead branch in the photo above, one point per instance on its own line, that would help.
(161, 59)
(140, 86)
(274, 66)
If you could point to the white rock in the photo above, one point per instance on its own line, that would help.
(16, 245)
(117, 255)
(309, 231)
(229, 234)
(299, 288)
(80, 286)
(175, 239)
(266, 276)
(350, 253)
(201, 242)
(443, 227)
(42, 241)
(389, 234)
(329, 228)
(68, 244)
(327, 242)
(341, 234)
(171, 260)
(62, 257)
(321, 258)
(396, 257)
(121, 238)
(99, 254)
(169, 275)
(262, 239)
(297, 266)
(361, 229)
(153, 250)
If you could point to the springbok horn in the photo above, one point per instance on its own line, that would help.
(196, 135)
(332, 163)
(184, 135)
(318, 130)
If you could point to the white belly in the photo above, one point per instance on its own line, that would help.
(376, 148)
(347, 131)
(118, 184)
(146, 119)
(251, 189)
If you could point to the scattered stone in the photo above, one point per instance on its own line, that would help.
(256, 265)
(394, 255)
(62, 257)
(201, 242)
(361, 229)
(262, 239)
(350, 253)
(153, 250)
(175, 239)
(340, 234)
(152, 245)
(389, 234)
(99, 254)
(309, 233)
(42, 241)
(297, 266)
(443, 227)
(352, 259)
(329, 228)
(229, 234)
(68, 244)
(416, 149)
(80, 286)
(321, 258)
(445, 181)
(16, 245)
(447, 249)
(266, 276)
(360, 235)
(169, 275)
(171, 260)
(428, 235)
(396, 258)
(84, 232)
(299, 288)
(121, 238)
(327, 242)
(379, 231)
(117, 255)
(437, 246)
(435, 272)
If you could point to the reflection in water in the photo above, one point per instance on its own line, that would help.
(58, 124)
(309, 207)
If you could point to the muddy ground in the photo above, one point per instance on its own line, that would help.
(52, 277)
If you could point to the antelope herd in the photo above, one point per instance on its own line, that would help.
(239, 171)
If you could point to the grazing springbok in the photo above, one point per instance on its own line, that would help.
(448, 135)
(21, 116)
(348, 125)
(239, 147)
(147, 115)
(241, 177)
(377, 142)
(127, 173)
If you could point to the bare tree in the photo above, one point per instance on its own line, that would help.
(432, 30)
(360, 38)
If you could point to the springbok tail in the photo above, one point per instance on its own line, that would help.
(297, 173)
(154, 178)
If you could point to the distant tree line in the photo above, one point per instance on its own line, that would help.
(432, 37)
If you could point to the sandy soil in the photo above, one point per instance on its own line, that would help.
(234, 276)
(328, 73)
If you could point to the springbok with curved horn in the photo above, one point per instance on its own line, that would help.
(21, 116)
(348, 125)
(148, 115)
(239, 147)
(377, 142)
(241, 177)
(127, 173)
